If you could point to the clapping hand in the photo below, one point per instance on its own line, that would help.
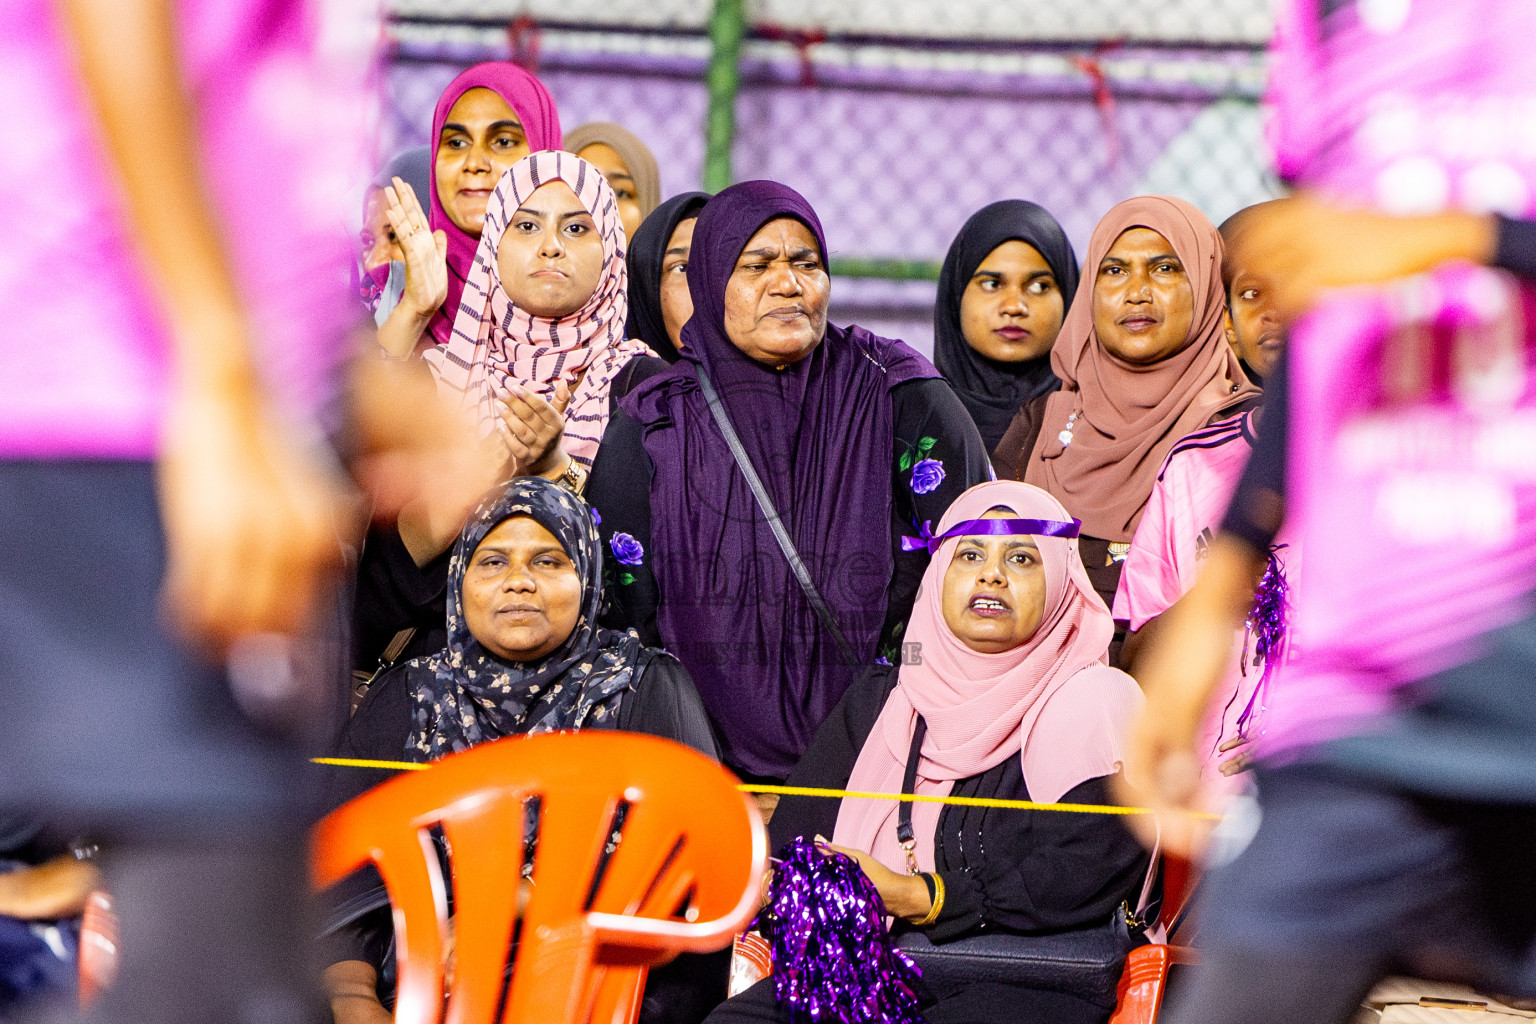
(534, 426)
(426, 251)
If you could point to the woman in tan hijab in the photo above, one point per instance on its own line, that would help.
(1143, 361)
(626, 162)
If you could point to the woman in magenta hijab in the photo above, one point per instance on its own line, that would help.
(488, 118)
(1006, 679)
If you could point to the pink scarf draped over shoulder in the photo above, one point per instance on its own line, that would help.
(1053, 701)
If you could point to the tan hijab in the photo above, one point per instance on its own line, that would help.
(636, 155)
(1128, 417)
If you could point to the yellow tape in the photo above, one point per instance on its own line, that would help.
(358, 762)
(962, 801)
(840, 794)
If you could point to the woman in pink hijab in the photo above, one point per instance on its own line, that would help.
(488, 118)
(1004, 692)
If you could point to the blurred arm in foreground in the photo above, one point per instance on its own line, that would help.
(250, 516)
(252, 513)
(1179, 667)
(1304, 245)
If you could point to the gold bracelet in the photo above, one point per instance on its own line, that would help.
(938, 902)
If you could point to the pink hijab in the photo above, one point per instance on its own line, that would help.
(1106, 433)
(495, 343)
(1053, 701)
(535, 108)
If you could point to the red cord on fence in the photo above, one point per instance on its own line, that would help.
(523, 38)
(801, 39)
(1103, 98)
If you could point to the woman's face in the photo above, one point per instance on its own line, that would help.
(606, 159)
(994, 590)
(481, 138)
(776, 298)
(380, 245)
(522, 596)
(676, 302)
(1012, 308)
(1143, 302)
(551, 257)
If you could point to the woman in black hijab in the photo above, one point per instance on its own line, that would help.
(658, 307)
(524, 654)
(482, 686)
(1008, 279)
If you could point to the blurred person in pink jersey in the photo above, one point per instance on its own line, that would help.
(171, 520)
(1395, 768)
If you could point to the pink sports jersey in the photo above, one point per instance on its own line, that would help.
(1410, 106)
(1411, 473)
(1182, 517)
(1411, 482)
(84, 358)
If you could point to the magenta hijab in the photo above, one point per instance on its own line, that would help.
(535, 108)
(1052, 701)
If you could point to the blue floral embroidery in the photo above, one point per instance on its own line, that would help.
(629, 551)
(927, 475)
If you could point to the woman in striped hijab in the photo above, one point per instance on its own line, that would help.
(541, 325)
(537, 354)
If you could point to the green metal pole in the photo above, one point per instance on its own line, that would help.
(887, 269)
(727, 25)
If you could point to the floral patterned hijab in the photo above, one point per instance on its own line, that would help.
(464, 695)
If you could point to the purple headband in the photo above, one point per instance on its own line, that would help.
(991, 528)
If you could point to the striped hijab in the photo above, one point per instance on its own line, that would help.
(495, 344)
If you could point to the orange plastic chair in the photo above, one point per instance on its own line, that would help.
(1144, 982)
(684, 876)
(98, 946)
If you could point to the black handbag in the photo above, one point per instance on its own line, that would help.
(1086, 963)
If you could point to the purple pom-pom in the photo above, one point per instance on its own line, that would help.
(1266, 626)
(927, 475)
(626, 549)
(833, 960)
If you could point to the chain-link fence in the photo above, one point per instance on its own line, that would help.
(896, 118)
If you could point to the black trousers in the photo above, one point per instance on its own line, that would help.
(1347, 881)
(109, 726)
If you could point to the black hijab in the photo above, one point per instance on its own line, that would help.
(465, 695)
(992, 391)
(647, 253)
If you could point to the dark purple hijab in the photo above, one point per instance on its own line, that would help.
(819, 433)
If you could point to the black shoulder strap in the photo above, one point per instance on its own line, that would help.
(775, 523)
(904, 833)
